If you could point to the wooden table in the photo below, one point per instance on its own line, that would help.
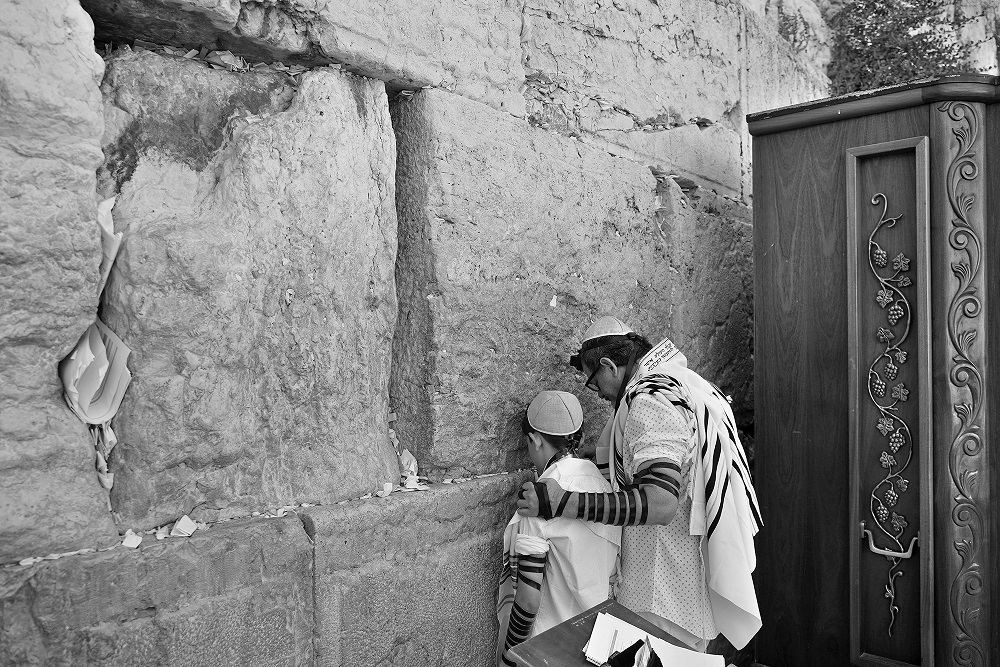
(562, 646)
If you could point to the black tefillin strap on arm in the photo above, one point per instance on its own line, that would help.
(626, 507)
(530, 572)
(629, 506)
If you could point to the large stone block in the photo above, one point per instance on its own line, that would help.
(668, 83)
(254, 287)
(512, 240)
(775, 76)
(711, 299)
(411, 579)
(239, 594)
(50, 249)
(473, 48)
(657, 79)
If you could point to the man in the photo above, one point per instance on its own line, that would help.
(555, 569)
(681, 488)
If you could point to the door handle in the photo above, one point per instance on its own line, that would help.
(886, 552)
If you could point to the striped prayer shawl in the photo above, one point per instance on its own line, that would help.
(717, 435)
(724, 509)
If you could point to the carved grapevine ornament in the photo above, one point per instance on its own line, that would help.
(883, 373)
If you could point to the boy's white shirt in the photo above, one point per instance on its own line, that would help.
(582, 556)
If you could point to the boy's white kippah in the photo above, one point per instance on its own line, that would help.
(555, 413)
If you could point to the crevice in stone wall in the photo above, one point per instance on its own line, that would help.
(413, 354)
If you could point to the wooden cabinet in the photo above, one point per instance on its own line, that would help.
(876, 250)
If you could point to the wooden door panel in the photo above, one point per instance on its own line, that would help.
(890, 402)
(801, 388)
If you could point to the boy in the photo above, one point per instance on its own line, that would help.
(555, 569)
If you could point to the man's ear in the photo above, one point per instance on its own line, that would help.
(610, 365)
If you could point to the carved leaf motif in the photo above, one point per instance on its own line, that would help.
(900, 392)
(885, 425)
(884, 297)
(884, 335)
(965, 202)
(901, 262)
(967, 338)
(887, 460)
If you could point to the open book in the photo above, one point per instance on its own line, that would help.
(612, 634)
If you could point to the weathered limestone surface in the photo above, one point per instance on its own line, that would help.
(50, 126)
(668, 83)
(472, 48)
(411, 579)
(711, 298)
(239, 594)
(775, 77)
(255, 287)
(511, 241)
(805, 31)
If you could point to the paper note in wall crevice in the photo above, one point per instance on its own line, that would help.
(95, 375)
(110, 241)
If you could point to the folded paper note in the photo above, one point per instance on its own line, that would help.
(95, 375)
(110, 242)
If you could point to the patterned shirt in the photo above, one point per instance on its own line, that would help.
(663, 571)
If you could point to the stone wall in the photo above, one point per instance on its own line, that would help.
(299, 260)
(50, 129)
(407, 580)
(255, 287)
(411, 580)
(513, 240)
(239, 594)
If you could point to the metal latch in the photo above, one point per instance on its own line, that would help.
(886, 552)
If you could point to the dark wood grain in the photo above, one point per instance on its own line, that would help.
(964, 556)
(992, 220)
(801, 391)
(965, 87)
(900, 176)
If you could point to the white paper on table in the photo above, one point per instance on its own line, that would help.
(110, 242)
(612, 634)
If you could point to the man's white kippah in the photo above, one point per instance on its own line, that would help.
(606, 326)
(555, 413)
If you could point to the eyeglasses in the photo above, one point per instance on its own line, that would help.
(589, 384)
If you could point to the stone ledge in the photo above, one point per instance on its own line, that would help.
(472, 48)
(411, 579)
(240, 593)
